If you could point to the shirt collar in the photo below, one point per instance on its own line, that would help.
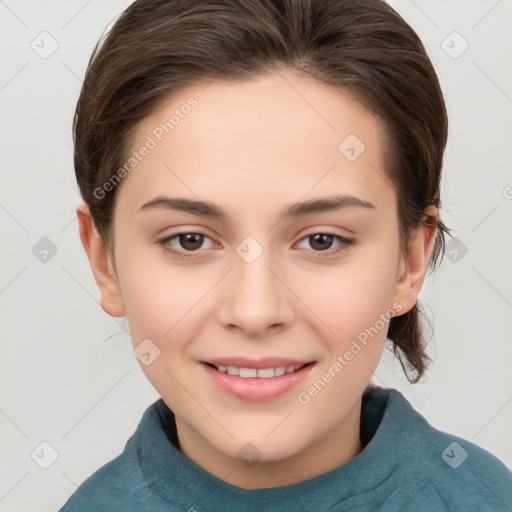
(177, 479)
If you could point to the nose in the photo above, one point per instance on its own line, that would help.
(255, 298)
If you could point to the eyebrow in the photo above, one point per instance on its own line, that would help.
(208, 209)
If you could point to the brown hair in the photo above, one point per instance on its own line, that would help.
(364, 46)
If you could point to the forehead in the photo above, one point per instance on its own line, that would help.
(277, 135)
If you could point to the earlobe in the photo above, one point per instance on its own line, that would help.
(100, 260)
(415, 260)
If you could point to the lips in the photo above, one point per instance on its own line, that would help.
(260, 373)
(258, 380)
(267, 362)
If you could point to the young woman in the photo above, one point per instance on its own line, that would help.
(261, 201)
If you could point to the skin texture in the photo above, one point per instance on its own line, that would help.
(253, 148)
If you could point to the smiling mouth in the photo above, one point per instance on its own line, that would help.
(258, 373)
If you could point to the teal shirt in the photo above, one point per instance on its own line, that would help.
(406, 465)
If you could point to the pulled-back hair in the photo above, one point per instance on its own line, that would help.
(159, 46)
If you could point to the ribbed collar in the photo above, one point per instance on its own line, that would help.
(178, 480)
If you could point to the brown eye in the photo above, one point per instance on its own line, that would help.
(190, 241)
(186, 244)
(321, 241)
(325, 242)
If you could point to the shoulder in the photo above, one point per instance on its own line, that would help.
(119, 484)
(459, 474)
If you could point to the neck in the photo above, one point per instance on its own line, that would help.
(326, 453)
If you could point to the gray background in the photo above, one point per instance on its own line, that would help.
(68, 375)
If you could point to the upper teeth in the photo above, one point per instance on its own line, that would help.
(262, 373)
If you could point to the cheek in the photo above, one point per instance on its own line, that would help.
(159, 298)
(352, 296)
(356, 303)
(162, 305)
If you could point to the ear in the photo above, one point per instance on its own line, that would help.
(101, 264)
(413, 263)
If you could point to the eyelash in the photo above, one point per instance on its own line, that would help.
(344, 242)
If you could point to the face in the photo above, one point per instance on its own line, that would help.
(260, 232)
